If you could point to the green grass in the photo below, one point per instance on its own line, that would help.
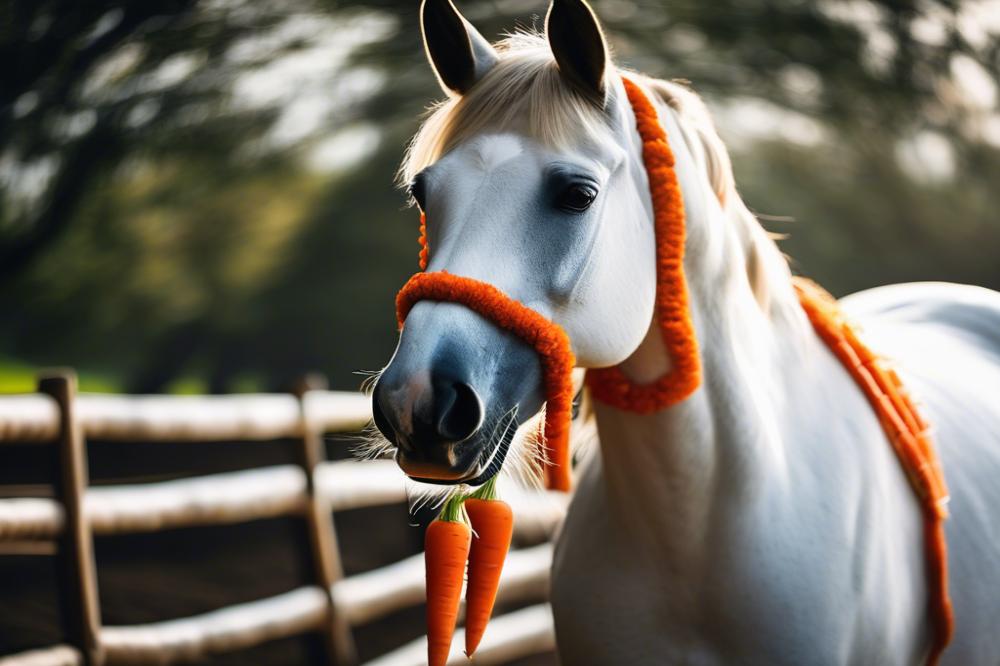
(187, 386)
(16, 377)
(20, 377)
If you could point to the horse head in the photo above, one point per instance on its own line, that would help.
(531, 178)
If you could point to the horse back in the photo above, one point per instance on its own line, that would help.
(944, 340)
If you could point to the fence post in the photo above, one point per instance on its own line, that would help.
(81, 613)
(322, 535)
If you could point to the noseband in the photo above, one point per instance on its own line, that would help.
(545, 337)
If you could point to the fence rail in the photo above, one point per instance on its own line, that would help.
(361, 599)
(234, 497)
(249, 495)
(183, 418)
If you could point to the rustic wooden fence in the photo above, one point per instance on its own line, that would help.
(314, 489)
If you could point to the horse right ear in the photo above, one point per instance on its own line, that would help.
(459, 55)
(578, 44)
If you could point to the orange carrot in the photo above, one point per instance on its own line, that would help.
(446, 549)
(493, 525)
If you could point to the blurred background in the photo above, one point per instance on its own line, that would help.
(197, 195)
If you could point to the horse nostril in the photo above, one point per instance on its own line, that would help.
(458, 411)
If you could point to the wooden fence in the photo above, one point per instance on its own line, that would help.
(314, 489)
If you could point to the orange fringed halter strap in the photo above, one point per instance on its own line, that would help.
(423, 241)
(610, 385)
(907, 433)
(547, 338)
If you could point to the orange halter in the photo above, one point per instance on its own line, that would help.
(905, 429)
(550, 341)
(610, 385)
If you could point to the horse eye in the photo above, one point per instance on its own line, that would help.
(418, 190)
(577, 198)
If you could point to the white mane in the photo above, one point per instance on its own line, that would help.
(767, 269)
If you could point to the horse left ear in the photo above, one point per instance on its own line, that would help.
(577, 42)
(459, 54)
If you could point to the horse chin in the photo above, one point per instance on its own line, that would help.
(489, 463)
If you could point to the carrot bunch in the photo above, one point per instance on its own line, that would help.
(448, 546)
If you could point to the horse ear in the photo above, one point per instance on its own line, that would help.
(578, 45)
(459, 55)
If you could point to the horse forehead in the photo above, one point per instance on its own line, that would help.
(491, 152)
(519, 158)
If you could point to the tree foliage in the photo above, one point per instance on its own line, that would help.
(162, 212)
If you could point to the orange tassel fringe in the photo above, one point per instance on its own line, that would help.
(423, 241)
(610, 385)
(907, 433)
(547, 338)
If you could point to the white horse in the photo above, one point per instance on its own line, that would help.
(765, 518)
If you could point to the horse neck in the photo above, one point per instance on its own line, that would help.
(718, 443)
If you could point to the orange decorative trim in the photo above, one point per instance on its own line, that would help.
(547, 338)
(610, 385)
(423, 241)
(907, 433)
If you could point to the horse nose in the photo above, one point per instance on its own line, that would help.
(426, 420)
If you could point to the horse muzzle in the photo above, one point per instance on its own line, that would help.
(431, 425)
(451, 398)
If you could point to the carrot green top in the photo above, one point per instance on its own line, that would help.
(451, 511)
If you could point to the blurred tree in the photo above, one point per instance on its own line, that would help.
(149, 155)
(858, 219)
(179, 197)
(66, 109)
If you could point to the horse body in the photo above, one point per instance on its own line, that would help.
(730, 526)
(763, 519)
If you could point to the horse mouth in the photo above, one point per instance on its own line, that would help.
(488, 464)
